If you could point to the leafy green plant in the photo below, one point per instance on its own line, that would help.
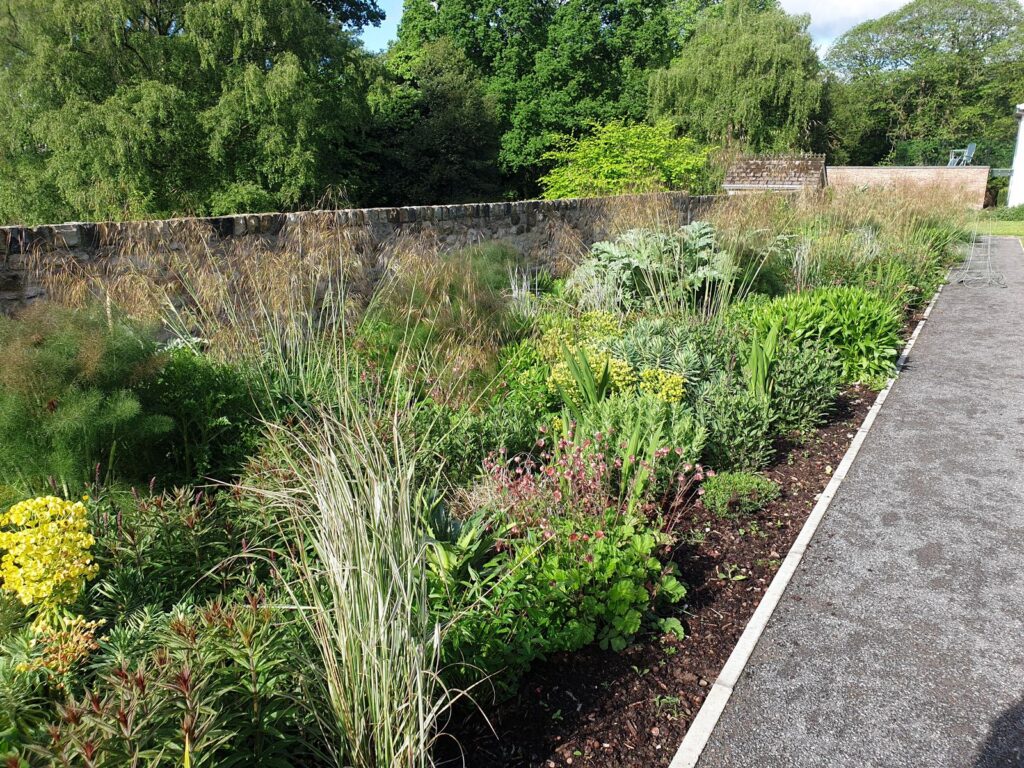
(215, 412)
(862, 327)
(740, 427)
(24, 703)
(761, 361)
(536, 581)
(805, 386)
(731, 494)
(157, 551)
(649, 268)
(213, 685)
(69, 406)
(647, 441)
(617, 158)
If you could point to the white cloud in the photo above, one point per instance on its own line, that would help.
(830, 18)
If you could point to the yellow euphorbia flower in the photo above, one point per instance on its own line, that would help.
(47, 559)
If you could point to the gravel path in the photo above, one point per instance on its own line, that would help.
(900, 641)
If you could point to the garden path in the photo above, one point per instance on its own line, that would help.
(900, 641)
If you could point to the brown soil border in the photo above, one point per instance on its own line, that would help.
(632, 709)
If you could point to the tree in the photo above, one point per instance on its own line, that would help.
(436, 132)
(553, 67)
(618, 158)
(151, 107)
(930, 77)
(748, 75)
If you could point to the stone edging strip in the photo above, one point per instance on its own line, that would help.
(718, 697)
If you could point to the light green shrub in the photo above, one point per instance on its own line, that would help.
(730, 494)
(862, 327)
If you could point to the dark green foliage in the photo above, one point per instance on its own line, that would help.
(161, 550)
(24, 705)
(69, 408)
(223, 677)
(216, 419)
(137, 109)
(805, 386)
(731, 494)
(554, 68)
(435, 135)
(740, 426)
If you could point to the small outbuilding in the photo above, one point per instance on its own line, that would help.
(779, 173)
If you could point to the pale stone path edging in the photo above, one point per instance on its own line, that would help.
(697, 735)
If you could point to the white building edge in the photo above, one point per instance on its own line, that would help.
(1016, 193)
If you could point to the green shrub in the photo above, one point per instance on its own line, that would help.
(156, 551)
(619, 159)
(24, 705)
(730, 494)
(216, 417)
(862, 327)
(645, 439)
(740, 426)
(68, 397)
(223, 678)
(1008, 214)
(548, 560)
(805, 386)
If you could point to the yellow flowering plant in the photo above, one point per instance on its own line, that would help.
(47, 557)
(667, 386)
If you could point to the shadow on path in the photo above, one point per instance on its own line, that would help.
(1004, 746)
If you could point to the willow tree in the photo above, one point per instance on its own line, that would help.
(117, 108)
(749, 75)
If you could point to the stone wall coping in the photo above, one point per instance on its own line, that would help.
(21, 239)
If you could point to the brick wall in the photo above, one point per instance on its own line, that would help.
(534, 227)
(967, 183)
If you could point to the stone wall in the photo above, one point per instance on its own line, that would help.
(534, 227)
(968, 183)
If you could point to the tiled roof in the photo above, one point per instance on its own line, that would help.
(778, 172)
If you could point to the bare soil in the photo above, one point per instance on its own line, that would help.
(632, 709)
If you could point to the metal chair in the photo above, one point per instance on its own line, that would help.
(961, 157)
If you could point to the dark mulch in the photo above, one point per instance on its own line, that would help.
(598, 708)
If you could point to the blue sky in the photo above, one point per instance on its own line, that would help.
(829, 18)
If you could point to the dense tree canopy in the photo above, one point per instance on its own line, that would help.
(748, 75)
(142, 107)
(930, 77)
(435, 130)
(554, 67)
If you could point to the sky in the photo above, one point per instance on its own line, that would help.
(829, 18)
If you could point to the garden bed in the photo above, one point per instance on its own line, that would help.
(633, 708)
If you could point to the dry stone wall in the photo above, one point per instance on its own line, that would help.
(534, 227)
